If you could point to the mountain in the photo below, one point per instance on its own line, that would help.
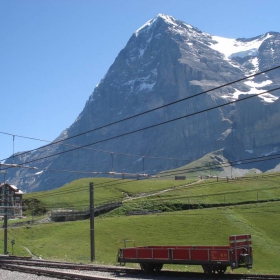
(164, 61)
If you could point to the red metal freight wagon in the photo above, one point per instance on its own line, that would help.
(213, 259)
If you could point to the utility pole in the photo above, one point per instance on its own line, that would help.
(91, 206)
(5, 198)
(5, 219)
(13, 148)
(112, 158)
(143, 162)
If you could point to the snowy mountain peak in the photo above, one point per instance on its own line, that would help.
(171, 22)
(167, 18)
(151, 22)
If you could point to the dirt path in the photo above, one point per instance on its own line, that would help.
(31, 254)
(159, 192)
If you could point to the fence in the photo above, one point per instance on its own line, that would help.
(153, 206)
(72, 214)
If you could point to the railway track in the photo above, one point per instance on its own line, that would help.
(80, 271)
(65, 265)
(53, 273)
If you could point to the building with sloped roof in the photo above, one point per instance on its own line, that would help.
(10, 197)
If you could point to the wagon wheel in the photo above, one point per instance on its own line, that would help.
(150, 267)
(147, 267)
(158, 267)
(221, 269)
(208, 269)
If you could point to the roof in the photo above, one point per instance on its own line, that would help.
(15, 189)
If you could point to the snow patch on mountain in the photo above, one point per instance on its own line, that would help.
(236, 47)
(255, 62)
(266, 97)
(255, 88)
(143, 49)
(258, 85)
(142, 84)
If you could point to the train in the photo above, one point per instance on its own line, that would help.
(213, 259)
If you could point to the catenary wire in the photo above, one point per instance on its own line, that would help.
(203, 168)
(172, 172)
(156, 125)
(120, 182)
(176, 172)
(205, 184)
(226, 103)
(154, 109)
(88, 148)
(166, 174)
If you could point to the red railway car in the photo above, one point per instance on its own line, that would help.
(213, 259)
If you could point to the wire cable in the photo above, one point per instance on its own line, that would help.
(122, 183)
(155, 125)
(88, 148)
(157, 108)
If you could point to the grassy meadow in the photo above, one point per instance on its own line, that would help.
(76, 193)
(222, 208)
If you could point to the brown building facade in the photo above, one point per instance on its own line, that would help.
(11, 197)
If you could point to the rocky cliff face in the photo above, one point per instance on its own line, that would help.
(164, 61)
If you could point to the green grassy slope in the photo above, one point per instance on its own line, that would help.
(259, 216)
(208, 193)
(70, 240)
(76, 193)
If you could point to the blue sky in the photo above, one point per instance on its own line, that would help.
(54, 52)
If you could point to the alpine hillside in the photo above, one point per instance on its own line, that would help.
(164, 61)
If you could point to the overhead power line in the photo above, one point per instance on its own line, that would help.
(151, 110)
(154, 125)
(164, 123)
(234, 163)
(161, 174)
(120, 182)
(26, 137)
(203, 183)
(88, 148)
(166, 174)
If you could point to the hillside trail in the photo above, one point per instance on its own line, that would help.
(141, 195)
